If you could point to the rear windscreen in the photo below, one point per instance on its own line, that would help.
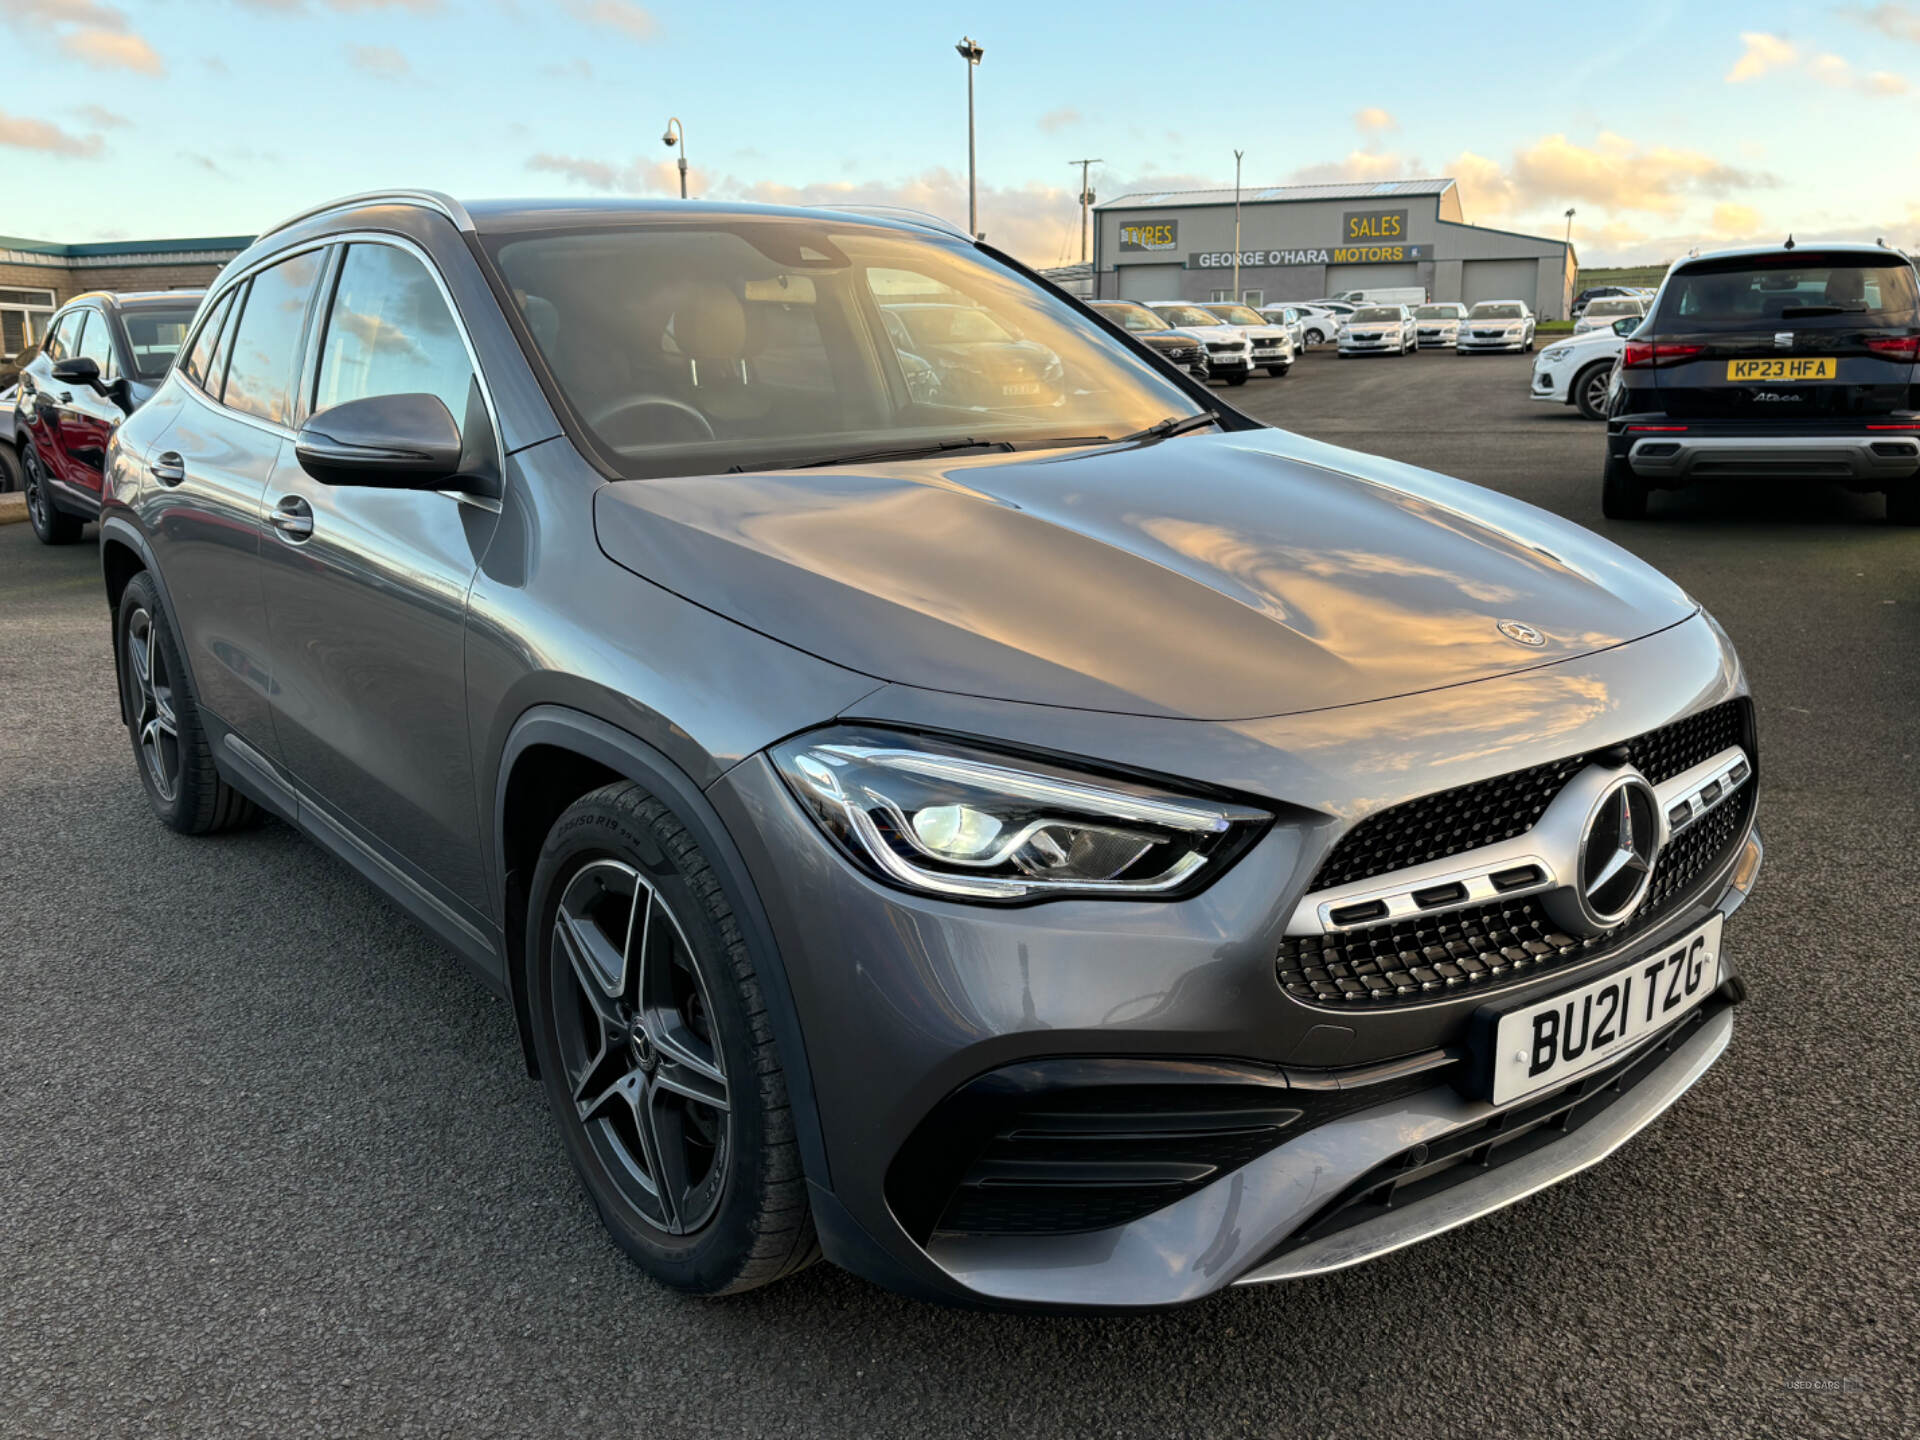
(1814, 290)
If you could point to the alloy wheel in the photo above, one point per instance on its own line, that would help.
(1595, 399)
(36, 492)
(639, 1046)
(150, 686)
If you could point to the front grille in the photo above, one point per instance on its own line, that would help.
(1489, 811)
(1223, 347)
(1502, 1137)
(1486, 946)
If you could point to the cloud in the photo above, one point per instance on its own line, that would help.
(381, 60)
(1370, 161)
(22, 132)
(621, 15)
(1884, 82)
(102, 118)
(1613, 172)
(1764, 52)
(1735, 222)
(91, 31)
(340, 7)
(1895, 21)
(1374, 121)
(1054, 121)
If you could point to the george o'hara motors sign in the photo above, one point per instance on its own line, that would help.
(1327, 255)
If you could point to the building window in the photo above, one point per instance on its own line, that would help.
(24, 315)
(1255, 298)
(1219, 297)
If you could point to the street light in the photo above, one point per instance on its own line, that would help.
(1569, 225)
(677, 131)
(1236, 225)
(971, 53)
(1086, 199)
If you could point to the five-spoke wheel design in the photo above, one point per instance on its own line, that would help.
(150, 696)
(637, 1039)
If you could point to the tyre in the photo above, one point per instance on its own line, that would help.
(655, 1050)
(11, 477)
(1278, 371)
(1623, 495)
(1903, 502)
(1316, 337)
(1239, 377)
(163, 720)
(1527, 349)
(1589, 390)
(52, 525)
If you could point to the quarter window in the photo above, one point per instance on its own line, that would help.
(199, 359)
(389, 332)
(266, 343)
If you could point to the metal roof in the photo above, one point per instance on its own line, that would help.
(1250, 195)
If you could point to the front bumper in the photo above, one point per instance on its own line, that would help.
(1517, 343)
(1438, 339)
(912, 1007)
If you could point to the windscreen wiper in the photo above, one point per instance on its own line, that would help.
(1173, 425)
(1804, 310)
(874, 457)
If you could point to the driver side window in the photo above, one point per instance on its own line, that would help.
(389, 332)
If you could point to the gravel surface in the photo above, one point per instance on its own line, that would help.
(269, 1164)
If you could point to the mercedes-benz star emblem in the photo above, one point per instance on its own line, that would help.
(1521, 634)
(1618, 850)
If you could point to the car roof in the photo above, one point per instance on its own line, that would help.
(1823, 247)
(137, 299)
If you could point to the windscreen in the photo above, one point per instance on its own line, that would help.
(1436, 312)
(1832, 291)
(154, 336)
(1136, 318)
(1188, 315)
(1374, 314)
(691, 347)
(1496, 310)
(1238, 314)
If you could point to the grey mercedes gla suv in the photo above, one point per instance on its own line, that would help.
(1077, 854)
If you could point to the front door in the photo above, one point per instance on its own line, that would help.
(88, 417)
(367, 592)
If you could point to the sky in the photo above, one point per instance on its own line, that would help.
(1663, 123)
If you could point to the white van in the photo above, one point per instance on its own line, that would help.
(1408, 295)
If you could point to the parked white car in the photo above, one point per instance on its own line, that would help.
(1439, 325)
(1578, 370)
(1324, 319)
(1407, 295)
(1496, 325)
(1293, 318)
(1380, 330)
(1600, 314)
(1229, 353)
(1272, 345)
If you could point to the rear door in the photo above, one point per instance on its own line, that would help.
(1798, 336)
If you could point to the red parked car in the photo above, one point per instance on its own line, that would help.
(103, 356)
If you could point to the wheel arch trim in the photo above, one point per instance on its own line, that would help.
(594, 739)
(117, 530)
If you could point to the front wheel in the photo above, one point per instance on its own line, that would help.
(1278, 371)
(1623, 495)
(11, 478)
(1316, 337)
(52, 525)
(656, 1053)
(1590, 388)
(1239, 377)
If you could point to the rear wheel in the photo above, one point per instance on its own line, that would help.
(656, 1052)
(1623, 495)
(1590, 390)
(53, 525)
(11, 478)
(1316, 337)
(1903, 502)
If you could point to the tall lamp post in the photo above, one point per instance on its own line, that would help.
(1086, 199)
(971, 53)
(1236, 225)
(1566, 254)
(676, 132)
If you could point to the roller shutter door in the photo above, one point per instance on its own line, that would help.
(1341, 278)
(1151, 282)
(1499, 280)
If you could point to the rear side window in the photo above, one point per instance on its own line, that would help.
(65, 336)
(1808, 290)
(96, 344)
(266, 342)
(389, 332)
(199, 359)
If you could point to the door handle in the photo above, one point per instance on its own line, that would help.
(65, 397)
(169, 469)
(292, 517)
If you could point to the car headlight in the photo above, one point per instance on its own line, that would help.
(946, 820)
(1553, 355)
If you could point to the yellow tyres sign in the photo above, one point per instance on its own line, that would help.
(1784, 367)
(1150, 235)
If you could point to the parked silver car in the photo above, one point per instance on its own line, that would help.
(1496, 325)
(1379, 330)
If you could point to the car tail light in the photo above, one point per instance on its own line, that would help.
(1655, 429)
(1645, 354)
(1906, 426)
(1896, 347)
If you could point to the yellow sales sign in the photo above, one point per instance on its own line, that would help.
(1375, 225)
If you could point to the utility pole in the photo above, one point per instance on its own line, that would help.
(1086, 199)
(971, 53)
(1236, 225)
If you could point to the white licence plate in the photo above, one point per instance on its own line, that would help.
(1030, 388)
(1550, 1042)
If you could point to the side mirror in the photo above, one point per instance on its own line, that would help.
(401, 442)
(1627, 324)
(77, 370)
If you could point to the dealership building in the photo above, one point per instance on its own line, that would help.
(1308, 242)
(39, 276)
